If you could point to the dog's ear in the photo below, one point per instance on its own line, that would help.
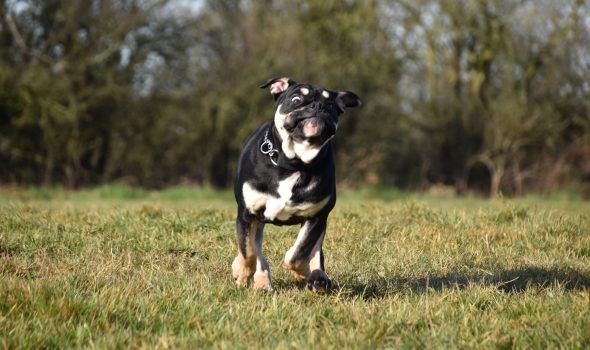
(347, 99)
(278, 85)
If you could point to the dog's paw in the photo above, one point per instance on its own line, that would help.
(262, 281)
(241, 271)
(298, 275)
(318, 282)
(298, 269)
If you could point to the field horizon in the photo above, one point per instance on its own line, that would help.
(116, 266)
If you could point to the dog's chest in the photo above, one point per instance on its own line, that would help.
(282, 207)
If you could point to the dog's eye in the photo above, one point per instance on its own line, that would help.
(296, 99)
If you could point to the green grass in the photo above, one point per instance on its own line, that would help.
(115, 267)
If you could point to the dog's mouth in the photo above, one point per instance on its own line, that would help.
(311, 127)
(314, 129)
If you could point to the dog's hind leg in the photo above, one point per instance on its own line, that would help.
(250, 262)
(305, 259)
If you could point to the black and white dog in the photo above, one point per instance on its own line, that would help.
(286, 177)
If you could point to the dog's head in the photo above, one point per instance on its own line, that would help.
(306, 113)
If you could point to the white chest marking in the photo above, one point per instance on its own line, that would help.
(305, 151)
(281, 208)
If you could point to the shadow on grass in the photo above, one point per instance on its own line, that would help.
(510, 281)
(9, 251)
(288, 284)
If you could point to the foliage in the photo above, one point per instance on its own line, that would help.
(481, 96)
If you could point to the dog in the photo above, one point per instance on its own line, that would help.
(286, 176)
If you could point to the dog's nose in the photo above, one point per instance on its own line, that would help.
(311, 127)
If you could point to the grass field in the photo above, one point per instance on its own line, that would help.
(117, 267)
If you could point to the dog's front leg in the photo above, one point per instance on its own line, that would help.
(250, 261)
(305, 259)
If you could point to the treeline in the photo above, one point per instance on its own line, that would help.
(483, 96)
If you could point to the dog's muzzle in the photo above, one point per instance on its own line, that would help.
(311, 127)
